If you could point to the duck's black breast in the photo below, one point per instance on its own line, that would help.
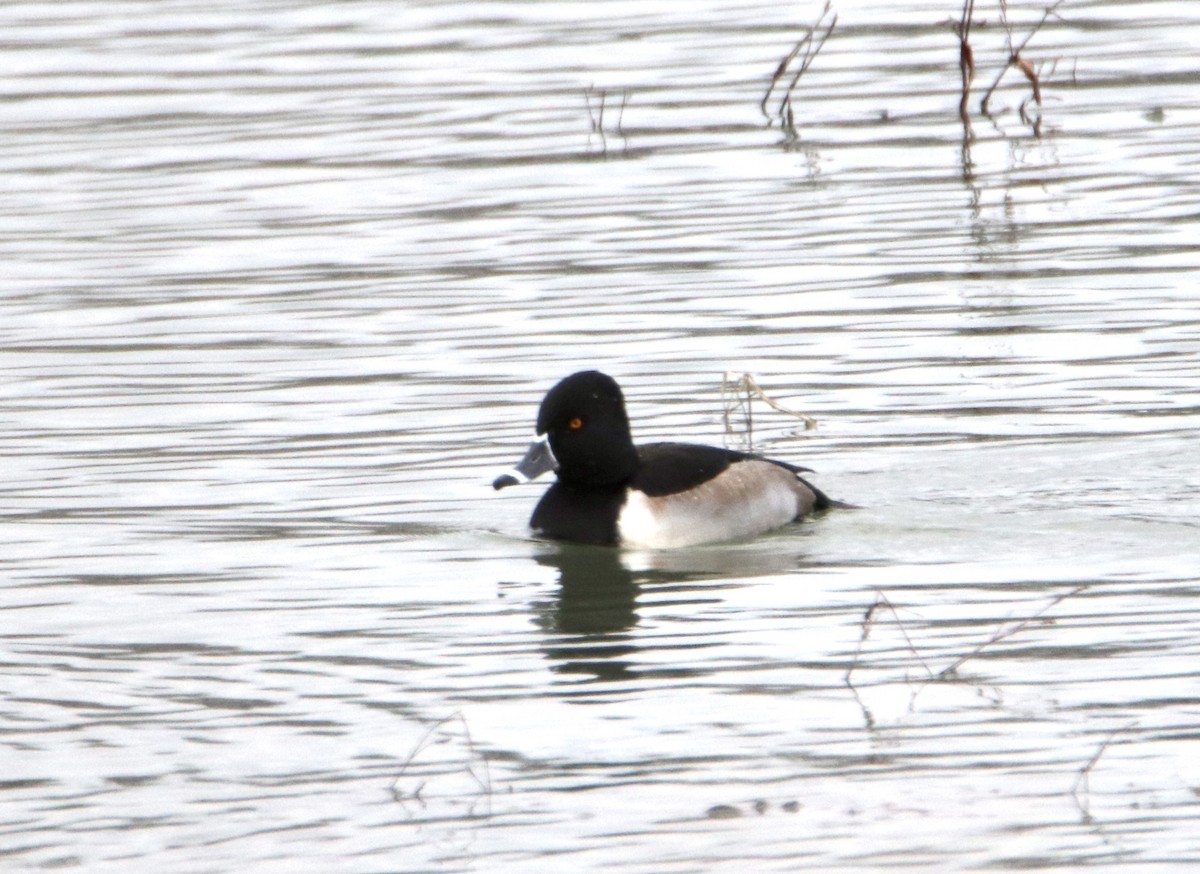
(589, 514)
(579, 515)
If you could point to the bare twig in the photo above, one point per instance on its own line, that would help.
(420, 746)
(482, 781)
(1015, 59)
(1080, 790)
(595, 117)
(1008, 632)
(738, 390)
(781, 69)
(966, 61)
(868, 621)
(596, 113)
(810, 45)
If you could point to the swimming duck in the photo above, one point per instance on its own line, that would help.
(657, 495)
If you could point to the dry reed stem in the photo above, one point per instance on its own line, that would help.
(810, 44)
(1015, 58)
(596, 114)
(738, 390)
(781, 69)
(966, 61)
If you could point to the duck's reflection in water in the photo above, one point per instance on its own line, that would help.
(590, 620)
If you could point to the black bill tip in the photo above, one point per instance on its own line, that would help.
(504, 480)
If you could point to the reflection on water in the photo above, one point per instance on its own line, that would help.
(596, 591)
(593, 608)
(599, 588)
(285, 281)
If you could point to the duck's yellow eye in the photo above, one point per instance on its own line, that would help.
(575, 424)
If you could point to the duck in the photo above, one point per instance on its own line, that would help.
(610, 491)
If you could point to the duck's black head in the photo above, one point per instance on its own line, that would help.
(584, 419)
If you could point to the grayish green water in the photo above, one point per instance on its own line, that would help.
(284, 284)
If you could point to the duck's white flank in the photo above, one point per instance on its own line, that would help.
(748, 498)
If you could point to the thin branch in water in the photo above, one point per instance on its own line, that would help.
(1005, 633)
(595, 116)
(421, 744)
(735, 395)
(868, 622)
(596, 100)
(966, 61)
(1015, 59)
(781, 69)
(1080, 789)
(810, 45)
(738, 391)
(813, 48)
(483, 782)
(1032, 76)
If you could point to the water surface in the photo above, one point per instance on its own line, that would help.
(284, 285)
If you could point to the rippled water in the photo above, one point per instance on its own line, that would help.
(284, 284)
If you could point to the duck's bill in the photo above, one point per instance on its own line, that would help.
(537, 461)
